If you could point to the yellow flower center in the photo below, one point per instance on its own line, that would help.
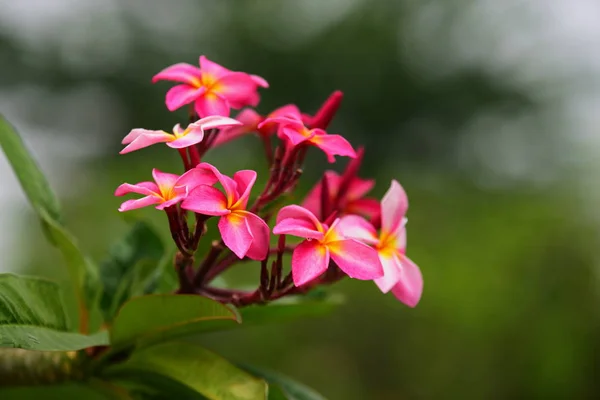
(388, 243)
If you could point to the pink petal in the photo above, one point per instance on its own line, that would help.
(181, 95)
(260, 232)
(368, 207)
(238, 88)
(392, 271)
(244, 181)
(393, 207)
(287, 120)
(294, 136)
(289, 110)
(356, 259)
(260, 81)
(206, 200)
(194, 136)
(359, 187)
(139, 203)
(355, 227)
(180, 192)
(235, 233)
(134, 133)
(410, 287)
(312, 202)
(297, 227)
(300, 213)
(333, 145)
(216, 121)
(249, 120)
(164, 179)
(229, 185)
(212, 68)
(196, 177)
(309, 260)
(147, 139)
(145, 188)
(181, 72)
(212, 104)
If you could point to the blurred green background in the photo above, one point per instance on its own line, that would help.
(485, 111)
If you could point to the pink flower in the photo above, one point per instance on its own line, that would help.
(246, 234)
(311, 257)
(296, 133)
(212, 88)
(168, 190)
(351, 201)
(250, 120)
(194, 133)
(401, 275)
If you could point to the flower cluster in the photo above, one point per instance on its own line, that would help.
(343, 232)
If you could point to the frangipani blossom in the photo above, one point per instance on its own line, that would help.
(250, 121)
(245, 233)
(295, 132)
(180, 138)
(311, 257)
(352, 200)
(212, 88)
(166, 190)
(402, 276)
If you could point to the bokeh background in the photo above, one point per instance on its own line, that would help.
(486, 111)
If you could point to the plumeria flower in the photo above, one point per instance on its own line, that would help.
(250, 119)
(166, 190)
(295, 132)
(212, 88)
(352, 200)
(401, 275)
(311, 257)
(245, 233)
(180, 138)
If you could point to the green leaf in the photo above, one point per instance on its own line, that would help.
(54, 392)
(280, 385)
(83, 272)
(130, 261)
(28, 173)
(160, 317)
(32, 316)
(205, 372)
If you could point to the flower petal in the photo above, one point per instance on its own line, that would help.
(212, 104)
(260, 232)
(333, 145)
(259, 81)
(309, 260)
(181, 72)
(238, 88)
(355, 227)
(235, 233)
(289, 110)
(180, 193)
(134, 133)
(181, 95)
(356, 259)
(216, 121)
(393, 207)
(410, 287)
(194, 135)
(358, 188)
(294, 136)
(301, 213)
(206, 200)
(312, 202)
(212, 68)
(164, 179)
(229, 185)
(139, 203)
(145, 188)
(297, 227)
(249, 120)
(245, 181)
(368, 207)
(145, 139)
(196, 177)
(392, 271)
